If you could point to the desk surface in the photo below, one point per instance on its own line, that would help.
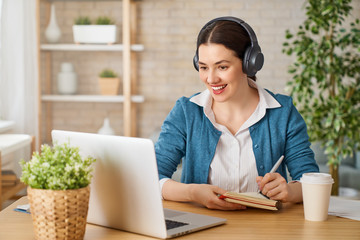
(287, 223)
(6, 126)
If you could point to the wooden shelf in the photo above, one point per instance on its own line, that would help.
(90, 47)
(128, 49)
(10, 143)
(9, 191)
(90, 98)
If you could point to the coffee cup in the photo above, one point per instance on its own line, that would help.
(316, 190)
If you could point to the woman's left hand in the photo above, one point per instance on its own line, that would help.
(275, 187)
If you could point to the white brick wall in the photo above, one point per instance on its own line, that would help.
(168, 30)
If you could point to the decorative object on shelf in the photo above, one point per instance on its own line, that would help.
(109, 82)
(52, 31)
(106, 128)
(325, 79)
(58, 191)
(67, 79)
(83, 20)
(103, 32)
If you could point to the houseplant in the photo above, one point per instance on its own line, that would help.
(109, 82)
(58, 181)
(103, 32)
(326, 78)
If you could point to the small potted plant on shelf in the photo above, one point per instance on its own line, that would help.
(109, 82)
(104, 31)
(58, 190)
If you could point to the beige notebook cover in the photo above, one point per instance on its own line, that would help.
(251, 199)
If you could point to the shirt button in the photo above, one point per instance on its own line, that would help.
(261, 166)
(256, 146)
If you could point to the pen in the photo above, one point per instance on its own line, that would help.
(274, 168)
(277, 164)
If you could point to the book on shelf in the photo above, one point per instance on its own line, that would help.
(8, 175)
(9, 183)
(251, 199)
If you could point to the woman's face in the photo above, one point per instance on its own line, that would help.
(221, 71)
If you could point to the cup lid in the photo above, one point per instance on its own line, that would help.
(317, 178)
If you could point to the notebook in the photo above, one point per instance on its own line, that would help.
(125, 191)
(252, 199)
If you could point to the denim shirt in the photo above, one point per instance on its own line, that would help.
(189, 135)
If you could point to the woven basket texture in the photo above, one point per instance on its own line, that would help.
(59, 214)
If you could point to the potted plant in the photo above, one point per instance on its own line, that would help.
(103, 32)
(326, 78)
(58, 181)
(109, 82)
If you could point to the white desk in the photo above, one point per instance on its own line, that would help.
(9, 143)
(6, 126)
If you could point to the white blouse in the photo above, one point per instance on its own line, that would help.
(233, 167)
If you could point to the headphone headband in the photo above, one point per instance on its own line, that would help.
(253, 58)
(239, 21)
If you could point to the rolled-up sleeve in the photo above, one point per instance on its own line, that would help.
(171, 145)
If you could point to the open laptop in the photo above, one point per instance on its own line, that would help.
(125, 191)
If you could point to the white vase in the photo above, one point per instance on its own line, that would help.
(67, 79)
(106, 128)
(52, 32)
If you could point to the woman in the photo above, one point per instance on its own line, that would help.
(231, 135)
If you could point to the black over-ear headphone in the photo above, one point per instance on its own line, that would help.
(253, 58)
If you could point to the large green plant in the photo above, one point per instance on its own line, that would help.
(326, 76)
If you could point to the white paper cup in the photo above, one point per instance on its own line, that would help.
(316, 190)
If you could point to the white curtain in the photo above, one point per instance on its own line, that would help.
(18, 65)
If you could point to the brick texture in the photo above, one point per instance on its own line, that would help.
(168, 30)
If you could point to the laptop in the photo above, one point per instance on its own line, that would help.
(125, 192)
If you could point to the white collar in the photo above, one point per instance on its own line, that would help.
(266, 101)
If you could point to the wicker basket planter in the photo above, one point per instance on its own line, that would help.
(109, 86)
(59, 214)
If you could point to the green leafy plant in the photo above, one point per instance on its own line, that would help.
(58, 168)
(107, 73)
(326, 77)
(103, 21)
(82, 21)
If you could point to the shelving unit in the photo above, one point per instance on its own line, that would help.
(90, 98)
(129, 69)
(10, 143)
(89, 47)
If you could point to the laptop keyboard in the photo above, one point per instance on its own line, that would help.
(170, 224)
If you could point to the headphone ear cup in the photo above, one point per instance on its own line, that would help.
(245, 64)
(196, 61)
(253, 60)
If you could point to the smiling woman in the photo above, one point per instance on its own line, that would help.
(230, 135)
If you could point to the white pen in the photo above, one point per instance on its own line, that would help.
(277, 164)
(274, 168)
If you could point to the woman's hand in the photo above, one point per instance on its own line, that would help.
(203, 194)
(275, 187)
(207, 195)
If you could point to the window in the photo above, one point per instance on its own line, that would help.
(0, 53)
(0, 25)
